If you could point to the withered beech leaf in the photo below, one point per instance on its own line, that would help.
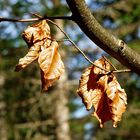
(51, 65)
(32, 55)
(36, 37)
(119, 98)
(38, 32)
(45, 82)
(45, 49)
(103, 92)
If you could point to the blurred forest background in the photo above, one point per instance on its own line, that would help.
(58, 114)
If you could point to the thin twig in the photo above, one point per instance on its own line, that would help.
(35, 14)
(48, 18)
(59, 17)
(35, 19)
(20, 20)
(76, 46)
(118, 71)
(121, 71)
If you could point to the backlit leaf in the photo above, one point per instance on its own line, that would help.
(36, 37)
(42, 47)
(51, 64)
(32, 55)
(37, 33)
(103, 92)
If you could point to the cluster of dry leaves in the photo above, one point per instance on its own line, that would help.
(97, 88)
(44, 49)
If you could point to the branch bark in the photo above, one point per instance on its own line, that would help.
(109, 43)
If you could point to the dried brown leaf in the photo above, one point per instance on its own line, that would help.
(31, 56)
(103, 92)
(51, 65)
(36, 37)
(37, 33)
(42, 47)
(119, 98)
(46, 83)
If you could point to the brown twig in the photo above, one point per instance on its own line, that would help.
(35, 19)
(76, 46)
(114, 71)
(48, 18)
(69, 39)
(101, 37)
(20, 20)
(121, 71)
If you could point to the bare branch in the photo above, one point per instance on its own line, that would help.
(122, 71)
(109, 43)
(69, 39)
(2, 19)
(77, 47)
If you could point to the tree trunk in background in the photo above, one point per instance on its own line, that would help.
(3, 123)
(61, 113)
(61, 94)
(3, 129)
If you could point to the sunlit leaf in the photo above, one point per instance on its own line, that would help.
(36, 37)
(103, 92)
(32, 55)
(43, 48)
(51, 64)
(37, 33)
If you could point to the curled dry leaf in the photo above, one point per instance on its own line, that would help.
(37, 33)
(31, 56)
(42, 47)
(51, 65)
(36, 37)
(45, 82)
(103, 92)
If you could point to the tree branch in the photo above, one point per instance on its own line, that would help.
(109, 43)
(69, 39)
(35, 19)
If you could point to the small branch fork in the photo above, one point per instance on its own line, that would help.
(49, 19)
